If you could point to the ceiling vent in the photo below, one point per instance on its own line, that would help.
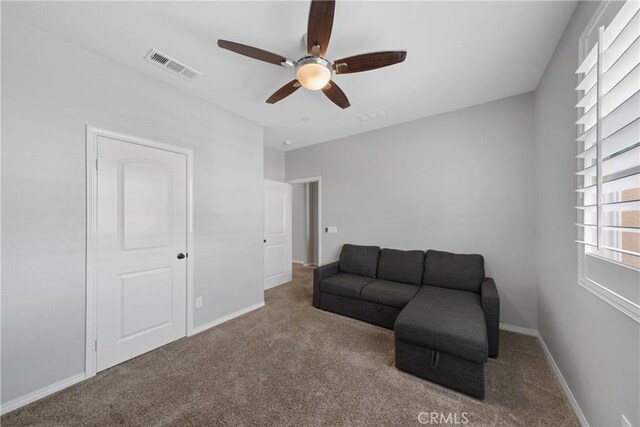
(170, 64)
(372, 114)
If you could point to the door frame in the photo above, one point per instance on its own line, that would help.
(92, 134)
(317, 179)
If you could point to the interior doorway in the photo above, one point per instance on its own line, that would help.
(139, 238)
(306, 221)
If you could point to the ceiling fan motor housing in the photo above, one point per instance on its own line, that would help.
(313, 72)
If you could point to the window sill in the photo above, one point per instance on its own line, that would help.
(620, 303)
(613, 261)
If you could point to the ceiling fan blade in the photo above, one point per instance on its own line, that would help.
(336, 95)
(284, 91)
(252, 52)
(320, 25)
(368, 61)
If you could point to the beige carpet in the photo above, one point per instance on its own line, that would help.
(290, 364)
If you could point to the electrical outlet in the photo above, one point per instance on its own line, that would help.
(332, 230)
(198, 302)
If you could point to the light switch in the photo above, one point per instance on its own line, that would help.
(332, 230)
(198, 302)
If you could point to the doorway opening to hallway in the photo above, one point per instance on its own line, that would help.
(306, 221)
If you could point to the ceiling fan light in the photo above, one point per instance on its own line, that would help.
(313, 76)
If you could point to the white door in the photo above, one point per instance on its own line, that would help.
(277, 233)
(142, 237)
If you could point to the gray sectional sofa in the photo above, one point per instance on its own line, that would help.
(443, 310)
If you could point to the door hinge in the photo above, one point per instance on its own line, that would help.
(96, 345)
(96, 164)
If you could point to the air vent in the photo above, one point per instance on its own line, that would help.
(189, 73)
(159, 58)
(172, 65)
(175, 67)
(372, 114)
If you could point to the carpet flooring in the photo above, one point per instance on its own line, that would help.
(291, 364)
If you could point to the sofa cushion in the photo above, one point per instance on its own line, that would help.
(362, 260)
(344, 284)
(447, 320)
(389, 293)
(401, 266)
(447, 270)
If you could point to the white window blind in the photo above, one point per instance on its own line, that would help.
(609, 141)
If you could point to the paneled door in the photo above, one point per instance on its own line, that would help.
(141, 249)
(277, 233)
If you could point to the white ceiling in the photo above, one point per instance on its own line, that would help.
(459, 54)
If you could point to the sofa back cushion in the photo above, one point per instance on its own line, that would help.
(447, 270)
(361, 260)
(401, 266)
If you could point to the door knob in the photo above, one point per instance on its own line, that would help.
(180, 255)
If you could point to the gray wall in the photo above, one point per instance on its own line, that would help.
(460, 181)
(50, 91)
(596, 347)
(273, 164)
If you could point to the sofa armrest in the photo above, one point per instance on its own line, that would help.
(320, 273)
(491, 308)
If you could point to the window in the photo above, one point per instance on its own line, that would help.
(608, 166)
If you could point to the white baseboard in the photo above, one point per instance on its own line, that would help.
(565, 387)
(567, 391)
(288, 280)
(226, 318)
(305, 264)
(519, 329)
(266, 288)
(40, 393)
(52, 388)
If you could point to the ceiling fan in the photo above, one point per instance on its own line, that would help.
(314, 71)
